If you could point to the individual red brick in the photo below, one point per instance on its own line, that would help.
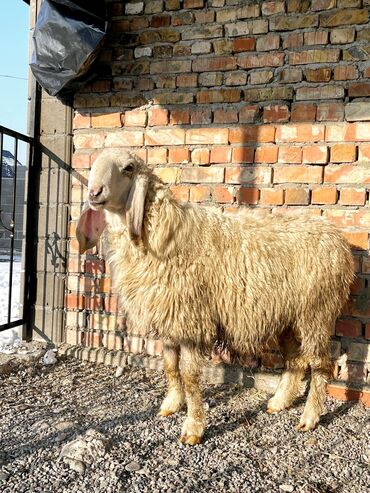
(344, 217)
(201, 117)
(272, 196)
(82, 121)
(364, 152)
(180, 192)
(248, 114)
(340, 132)
(157, 155)
(157, 116)
(367, 331)
(300, 133)
(247, 196)
(225, 115)
(106, 120)
(323, 4)
(267, 154)
(138, 23)
(160, 21)
(260, 60)
(165, 136)
(344, 16)
(90, 141)
(200, 193)
(271, 8)
(276, 113)
(180, 117)
(320, 92)
(293, 40)
(347, 174)
(261, 77)
(252, 133)
(358, 240)
(359, 89)
(314, 56)
(342, 35)
(248, 174)
(269, 42)
(244, 44)
(297, 196)
(193, 4)
(315, 154)
(290, 75)
(178, 155)
(324, 196)
(200, 156)
(303, 112)
(343, 153)
(322, 74)
(219, 96)
(345, 72)
(143, 84)
(135, 118)
(298, 174)
(352, 196)
(207, 136)
(343, 393)
(220, 155)
(168, 175)
(330, 112)
(187, 80)
(316, 38)
(75, 301)
(214, 64)
(290, 155)
(223, 194)
(243, 155)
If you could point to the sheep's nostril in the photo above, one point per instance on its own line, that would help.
(95, 192)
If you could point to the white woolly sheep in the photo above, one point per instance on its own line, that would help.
(188, 274)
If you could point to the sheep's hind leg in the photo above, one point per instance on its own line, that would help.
(194, 425)
(321, 370)
(291, 378)
(175, 397)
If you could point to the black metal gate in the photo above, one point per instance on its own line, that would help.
(17, 238)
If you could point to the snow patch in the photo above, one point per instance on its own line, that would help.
(9, 339)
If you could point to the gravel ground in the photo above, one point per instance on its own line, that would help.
(244, 450)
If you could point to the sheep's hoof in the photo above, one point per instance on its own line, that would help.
(165, 413)
(272, 410)
(190, 440)
(307, 423)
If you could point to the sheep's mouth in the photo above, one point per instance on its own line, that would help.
(97, 205)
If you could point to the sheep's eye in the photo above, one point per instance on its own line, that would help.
(129, 168)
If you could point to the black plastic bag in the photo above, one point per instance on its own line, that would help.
(66, 40)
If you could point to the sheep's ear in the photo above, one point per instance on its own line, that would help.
(135, 208)
(90, 226)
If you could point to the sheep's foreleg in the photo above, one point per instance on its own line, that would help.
(320, 373)
(290, 382)
(194, 425)
(175, 397)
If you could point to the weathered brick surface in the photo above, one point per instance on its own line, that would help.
(235, 104)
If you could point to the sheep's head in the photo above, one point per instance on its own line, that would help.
(118, 183)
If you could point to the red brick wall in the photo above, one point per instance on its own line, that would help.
(262, 104)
